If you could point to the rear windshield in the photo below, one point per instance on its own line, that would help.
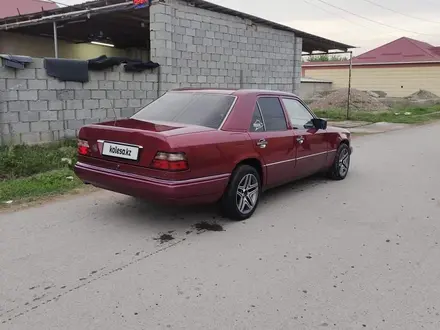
(200, 109)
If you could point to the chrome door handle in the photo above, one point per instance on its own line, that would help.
(262, 143)
(300, 139)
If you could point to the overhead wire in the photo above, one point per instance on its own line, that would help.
(374, 21)
(332, 13)
(398, 12)
(431, 2)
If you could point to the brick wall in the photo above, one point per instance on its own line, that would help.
(37, 108)
(197, 47)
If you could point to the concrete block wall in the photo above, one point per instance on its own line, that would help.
(195, 48)
(198, 47)
(308, 89)
(37, 108)
(297, 71)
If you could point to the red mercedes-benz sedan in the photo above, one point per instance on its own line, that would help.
(195, 146)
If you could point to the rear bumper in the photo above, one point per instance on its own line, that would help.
(193, 191)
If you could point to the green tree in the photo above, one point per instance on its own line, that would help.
(325, 58)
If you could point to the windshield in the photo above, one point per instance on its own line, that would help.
(202, 109)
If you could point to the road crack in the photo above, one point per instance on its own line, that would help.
(31, 307)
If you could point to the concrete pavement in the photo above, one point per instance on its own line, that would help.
(363, 127)
(358, 254)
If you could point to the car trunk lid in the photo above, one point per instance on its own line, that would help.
(126, 141)
(134, 142)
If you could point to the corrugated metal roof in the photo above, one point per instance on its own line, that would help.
(310, 42)
(403, 50)
(10, 8)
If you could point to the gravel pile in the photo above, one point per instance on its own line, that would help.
(359, 101)
(423, 95)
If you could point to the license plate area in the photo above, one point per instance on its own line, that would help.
(120, 150)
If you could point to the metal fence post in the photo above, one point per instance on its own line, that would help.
(55, 39)
(349, 85)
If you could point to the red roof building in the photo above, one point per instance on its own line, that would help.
(10, 8)
(401, 51)
(399, 68)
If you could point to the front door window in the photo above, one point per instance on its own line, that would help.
(299, 116)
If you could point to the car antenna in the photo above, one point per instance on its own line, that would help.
(114, 112)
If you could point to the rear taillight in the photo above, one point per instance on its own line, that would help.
(83, 147)
(170, 161)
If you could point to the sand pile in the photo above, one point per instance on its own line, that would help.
(423, 95)
(359, 101)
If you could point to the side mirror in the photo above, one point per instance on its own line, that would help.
(319, 123)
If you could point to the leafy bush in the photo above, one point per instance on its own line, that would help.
(26, 160)
(408, 115)
(39, 185)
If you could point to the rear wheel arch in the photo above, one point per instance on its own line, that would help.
(241, 197)
(255, 163)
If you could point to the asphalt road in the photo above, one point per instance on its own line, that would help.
(358, 254)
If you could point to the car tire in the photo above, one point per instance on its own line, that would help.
(341, 164)
(242, 195)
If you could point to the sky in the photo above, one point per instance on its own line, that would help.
(317, 17)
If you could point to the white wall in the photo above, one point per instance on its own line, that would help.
(19, 44)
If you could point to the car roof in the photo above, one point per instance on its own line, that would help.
(236, 92)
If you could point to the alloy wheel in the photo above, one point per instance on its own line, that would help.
(344, 162)
(247, 193)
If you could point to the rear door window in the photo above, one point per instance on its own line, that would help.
(191, 108)
(273, 114)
